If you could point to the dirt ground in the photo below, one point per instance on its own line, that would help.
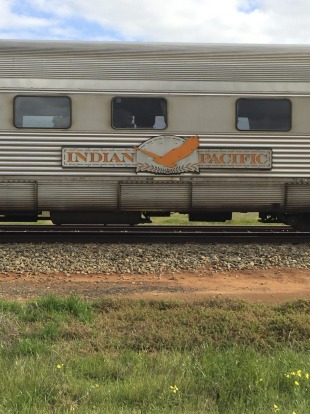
(266, 286)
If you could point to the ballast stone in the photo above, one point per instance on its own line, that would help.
(92, 258)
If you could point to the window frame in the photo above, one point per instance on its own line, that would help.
(139, 128)
(263, 99)
(42, 96)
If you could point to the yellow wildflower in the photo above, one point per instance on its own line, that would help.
(299, 373)
(307, 376)
(59, 366)
(275, 407)
(174, 389)
(296, 383)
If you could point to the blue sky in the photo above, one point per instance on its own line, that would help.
(249, 6)
(221, 21)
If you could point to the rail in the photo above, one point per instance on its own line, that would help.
(147, 234)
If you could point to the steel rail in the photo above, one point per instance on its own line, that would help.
(147, 234)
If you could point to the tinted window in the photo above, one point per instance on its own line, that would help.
(263, 114)
(145, 113)
(42, 112)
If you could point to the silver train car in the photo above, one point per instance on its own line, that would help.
(115, 133)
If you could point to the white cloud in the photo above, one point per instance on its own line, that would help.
(167, 20)
(247, 21)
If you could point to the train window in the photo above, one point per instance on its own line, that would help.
(144, 113)
(42, 112)
(264, 114)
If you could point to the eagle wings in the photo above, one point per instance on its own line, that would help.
(173, 156)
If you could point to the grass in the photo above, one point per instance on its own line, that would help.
(238, 219)
(219, 356)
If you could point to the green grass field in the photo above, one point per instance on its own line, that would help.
(238, 219)
(219, 356)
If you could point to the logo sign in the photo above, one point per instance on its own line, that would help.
(168, 155)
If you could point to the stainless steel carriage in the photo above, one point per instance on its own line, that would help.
(118, 132)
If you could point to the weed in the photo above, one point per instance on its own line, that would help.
(119, 357)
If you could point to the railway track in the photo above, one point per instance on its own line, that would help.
(146, 233)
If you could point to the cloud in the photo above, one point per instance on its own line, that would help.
(173, 20)
(228, 21)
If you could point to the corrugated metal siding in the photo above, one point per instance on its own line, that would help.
(252, 196)
(91, 195)
(298, 196)
(174, 197)
(168, 70)
(290, 154)
(245, 63)
(40, 155)
(17, 196)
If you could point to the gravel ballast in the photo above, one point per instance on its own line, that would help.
(34, 259)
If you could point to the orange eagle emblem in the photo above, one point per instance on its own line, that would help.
(173, 156)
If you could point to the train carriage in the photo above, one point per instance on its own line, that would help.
(115, 133)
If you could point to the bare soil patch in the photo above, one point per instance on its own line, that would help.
(266, 286)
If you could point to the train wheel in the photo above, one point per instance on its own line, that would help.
(299, 222)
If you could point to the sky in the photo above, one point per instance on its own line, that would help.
(190, 21)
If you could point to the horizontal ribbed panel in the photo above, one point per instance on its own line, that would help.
(35, 154)
(90, 195)
(168, 71)
(174, 197)
(298, 196)
(233, 195)
(65, 60)
(17, 196)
